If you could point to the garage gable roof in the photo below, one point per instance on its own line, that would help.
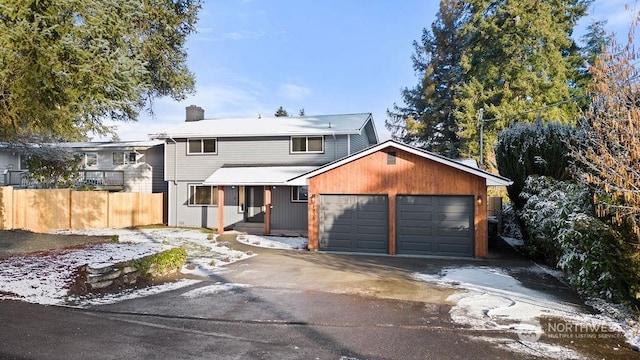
(491, 179)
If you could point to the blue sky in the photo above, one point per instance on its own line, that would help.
(331, 56)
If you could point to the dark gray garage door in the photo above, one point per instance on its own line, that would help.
(435, 225)
(356, 223)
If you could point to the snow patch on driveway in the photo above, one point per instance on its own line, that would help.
(275, 242)
(213, 289)
(491, 299)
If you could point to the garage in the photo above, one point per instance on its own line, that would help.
(396, 199)
(354, 223)
(435, 225)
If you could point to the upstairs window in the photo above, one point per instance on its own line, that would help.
(203, 195)
(122, 158)
(307, 144)
(202, 146)
(299, 194)
(90, 160)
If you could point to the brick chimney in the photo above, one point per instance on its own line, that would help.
(194, 113)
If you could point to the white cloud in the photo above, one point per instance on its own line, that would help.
(241, 98)
(293, 91)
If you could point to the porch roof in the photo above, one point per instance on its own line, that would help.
(257, 175)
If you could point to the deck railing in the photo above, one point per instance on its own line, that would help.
(100, 179)
(103, 179)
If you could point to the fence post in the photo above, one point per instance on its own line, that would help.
(6, 208)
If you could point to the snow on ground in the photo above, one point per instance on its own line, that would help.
(44, 278)
(491, 299)
(277, 242)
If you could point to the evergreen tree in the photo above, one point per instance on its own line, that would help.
(281, 112)
(427, 117)
(516, 60)
(68, 65)
(518, 64)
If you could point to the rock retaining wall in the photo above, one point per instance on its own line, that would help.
(108, 277)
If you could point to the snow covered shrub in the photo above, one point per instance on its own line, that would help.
(510, 226)
(545, 213)
(559, 218)
(596, 259)
(533, 149)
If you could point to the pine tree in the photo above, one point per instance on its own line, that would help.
(427, 117)
(281, 112)
(518, 65)
(68, 65)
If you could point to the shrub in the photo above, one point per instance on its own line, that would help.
(533, 149)
(559, 218)
(162, 263)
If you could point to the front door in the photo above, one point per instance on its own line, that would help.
(255, 204)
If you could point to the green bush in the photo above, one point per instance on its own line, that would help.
(163, 262)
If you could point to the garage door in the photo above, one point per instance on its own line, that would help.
(435, 225)
(355, 223)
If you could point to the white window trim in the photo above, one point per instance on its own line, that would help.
(294, 190)
(202, 146)
(306, 145)
(189, 186)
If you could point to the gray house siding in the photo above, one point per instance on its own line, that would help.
(238, 151)
(285, 214)
(358, 142)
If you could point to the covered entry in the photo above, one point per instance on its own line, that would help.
(435, 225)
(354, 223)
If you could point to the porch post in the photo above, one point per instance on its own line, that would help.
(220, 209)
(267, 210)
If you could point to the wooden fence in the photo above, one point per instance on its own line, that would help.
(46, 210)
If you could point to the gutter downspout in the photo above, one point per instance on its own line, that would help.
(175, 180)
(335, 147)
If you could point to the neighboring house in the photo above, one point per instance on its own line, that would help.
(222, 173)
(133, 166)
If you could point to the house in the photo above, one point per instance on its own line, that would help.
(223, 173)
(329, 177)
(133, 166)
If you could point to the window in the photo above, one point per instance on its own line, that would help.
(307, 144)
(121, 158)
(90, 159)
(299, 193)
(203, 195)
(201, 146)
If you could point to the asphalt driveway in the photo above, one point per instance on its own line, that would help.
(287, 305)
